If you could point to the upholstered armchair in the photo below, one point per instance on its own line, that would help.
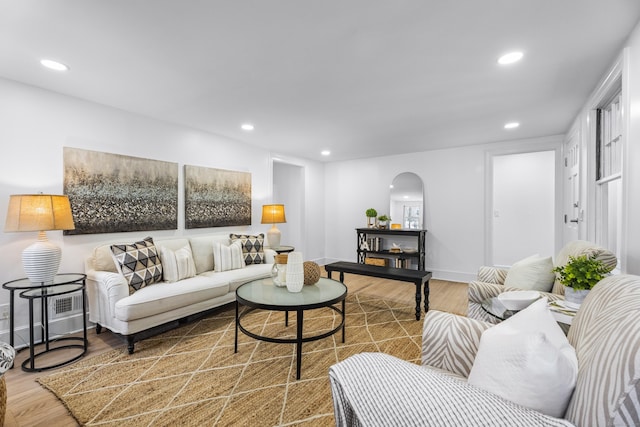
(491, 280)
(375, 389)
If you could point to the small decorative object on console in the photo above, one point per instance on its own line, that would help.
(395, 249)
(311, 272)
(384, 220)
(371, 217)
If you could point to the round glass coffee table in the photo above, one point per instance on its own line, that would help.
(494, 307)
(262, 294)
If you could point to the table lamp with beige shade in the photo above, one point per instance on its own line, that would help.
(41, 213)
(273, 214)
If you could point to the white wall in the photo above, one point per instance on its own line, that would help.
(37, 124)
(454, 204)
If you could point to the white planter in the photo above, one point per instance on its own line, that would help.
(574, 298)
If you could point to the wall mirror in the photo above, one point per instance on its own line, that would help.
(406, 201)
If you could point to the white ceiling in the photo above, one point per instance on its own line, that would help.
(358, 77)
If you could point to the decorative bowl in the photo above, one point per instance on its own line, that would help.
(518, 300)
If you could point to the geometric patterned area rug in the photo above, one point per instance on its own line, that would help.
(191, 376)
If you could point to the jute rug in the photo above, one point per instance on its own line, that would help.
(191, 376)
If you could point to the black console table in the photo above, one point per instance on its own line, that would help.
(368, 235)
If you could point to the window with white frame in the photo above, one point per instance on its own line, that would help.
(609, 142)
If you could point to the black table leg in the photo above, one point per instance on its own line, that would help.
(344, 318)
(84, 315)
(342, 276)
(299, 321)
(235, 344)
(418, 298)
(11, 324)
(426, 296)
(286, 318)
(45, 318)
(32, 343)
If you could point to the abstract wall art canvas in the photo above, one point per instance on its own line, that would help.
(114, 193)
(216, 197)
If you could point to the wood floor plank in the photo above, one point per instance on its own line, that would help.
(29, 404)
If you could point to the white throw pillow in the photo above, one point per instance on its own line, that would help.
(178, 264)
(227, 257)
(532, 273)
(528, 360)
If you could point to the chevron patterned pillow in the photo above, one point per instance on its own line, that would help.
(139, 263)
(252, 247)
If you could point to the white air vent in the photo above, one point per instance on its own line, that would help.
(63, 306)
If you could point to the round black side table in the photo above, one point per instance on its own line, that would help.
(63, 284)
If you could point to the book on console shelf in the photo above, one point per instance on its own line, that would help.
(402, 263)
(374, 244)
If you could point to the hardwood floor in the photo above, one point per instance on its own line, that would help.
(28, 404)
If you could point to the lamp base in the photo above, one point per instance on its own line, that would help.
(273, 237)
(41, 260)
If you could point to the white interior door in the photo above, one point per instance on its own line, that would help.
(571, 197)
(523, 206)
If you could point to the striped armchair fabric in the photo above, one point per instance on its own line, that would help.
(490, 282)
(375, 389)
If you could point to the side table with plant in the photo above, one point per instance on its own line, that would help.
(579, 275)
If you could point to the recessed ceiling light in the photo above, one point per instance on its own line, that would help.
(325, 152)
(247, 126)
(510, 58)
(53, 65)
(511, 125)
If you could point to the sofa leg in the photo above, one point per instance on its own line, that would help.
(130, 344)
(98, 328)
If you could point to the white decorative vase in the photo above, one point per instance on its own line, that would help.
(295, 272)
(573, 298)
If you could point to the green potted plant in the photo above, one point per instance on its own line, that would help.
(384, 219)
(371, 217)
(578, 276)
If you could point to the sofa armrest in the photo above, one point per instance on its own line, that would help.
(402, 393)
(104, 289)
(450, 342)
(479, 291)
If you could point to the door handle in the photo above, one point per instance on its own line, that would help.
(574, 220)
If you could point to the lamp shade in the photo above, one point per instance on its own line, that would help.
(38, 212)
(273, 214)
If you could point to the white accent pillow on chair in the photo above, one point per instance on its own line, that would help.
(528, 360)
(532, 273)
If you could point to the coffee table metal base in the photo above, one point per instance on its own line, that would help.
(298, 340)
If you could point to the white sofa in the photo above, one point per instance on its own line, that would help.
(111, 306)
